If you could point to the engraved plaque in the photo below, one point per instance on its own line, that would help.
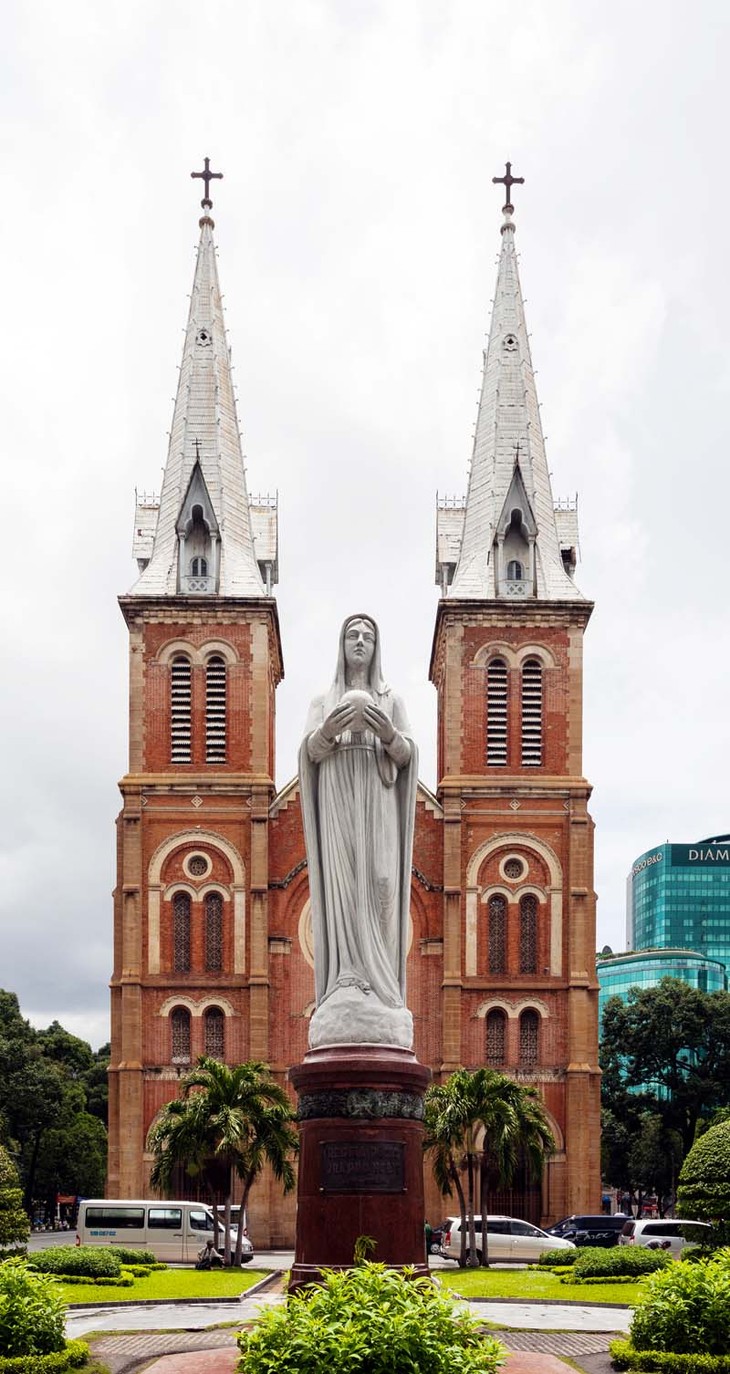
(362, 1166)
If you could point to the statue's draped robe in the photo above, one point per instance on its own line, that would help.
(359, 811)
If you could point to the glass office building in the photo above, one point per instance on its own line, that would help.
(619, 972)
(678, 897)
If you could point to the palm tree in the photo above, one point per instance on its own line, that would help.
(237, 1115)
(484, 1122)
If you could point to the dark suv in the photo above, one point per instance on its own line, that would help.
(584, 1230)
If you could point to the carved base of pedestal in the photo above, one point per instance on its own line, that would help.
(361, 1158)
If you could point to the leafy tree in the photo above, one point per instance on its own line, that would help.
(240, 1116)
(704, 1183)
(493, 1124)
(671, 1042)
(13, 1220)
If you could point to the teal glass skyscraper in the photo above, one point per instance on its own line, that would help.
(678, 897)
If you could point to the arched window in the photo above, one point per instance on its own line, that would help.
(515, 571)
(496, 1038)
(529, 1037)
(215, 1033)
(180, 1035)
(213, 932)
(528, 933)
(531, 713)
(181, 932)
(497, 933)
(215, 710)
(199, 567)
(180, 709)
(497, 696)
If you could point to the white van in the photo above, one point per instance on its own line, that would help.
(175, 1232)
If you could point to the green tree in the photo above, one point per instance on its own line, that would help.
(671, 1042)
(704, 1183)
(237, 1115)
(13, 1220)
(493, 1125)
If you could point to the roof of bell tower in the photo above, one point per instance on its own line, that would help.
(204, 432)
(508, 432)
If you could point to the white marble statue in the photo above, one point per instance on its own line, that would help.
(358, 774)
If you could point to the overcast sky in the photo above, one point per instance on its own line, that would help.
(358, 231)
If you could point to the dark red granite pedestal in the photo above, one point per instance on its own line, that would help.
(361, 1158)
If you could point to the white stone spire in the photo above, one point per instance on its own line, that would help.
(203, 541)
(510, 546)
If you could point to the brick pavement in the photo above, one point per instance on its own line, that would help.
(214, 1352)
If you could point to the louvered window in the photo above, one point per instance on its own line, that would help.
(180, 1035)
(180, 709)
(531, 713)
(497, 690)
(214, 932)
(529, 1038)
(181, 932)
(215, 1033)
(496, 1038)
(497, 933)
(528, 933)
(215, 710)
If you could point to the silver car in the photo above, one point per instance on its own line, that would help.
(665, 1233)
(508, 1241)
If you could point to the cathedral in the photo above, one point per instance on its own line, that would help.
(212, 929)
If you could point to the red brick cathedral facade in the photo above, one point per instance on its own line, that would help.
(212, 944)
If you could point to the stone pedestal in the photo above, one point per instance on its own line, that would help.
(361, 1158)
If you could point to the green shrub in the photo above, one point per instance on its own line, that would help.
(562, 1258)
(75, 1356)
(93, 1261)
(368, 1319)
(614, 1278)
(704, 1182)
(619, 1261)
(686, 1309)
(125, 1256)
(31, 1311)
(625, 1356)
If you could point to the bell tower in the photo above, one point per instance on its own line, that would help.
(190, 905)
(519, 985)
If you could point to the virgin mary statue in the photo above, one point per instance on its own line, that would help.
(358, 775)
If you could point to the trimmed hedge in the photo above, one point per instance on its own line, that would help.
(75, 1356)
(625, 1356)
(550, 1259)
(100, 1281)
(620, 1261)
(599, 1278)
(145, 1257)
(704, 1182)
(93, 1261)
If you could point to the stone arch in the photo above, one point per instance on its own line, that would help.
(494, 649)
(177, 646)
(554, 891)
(545, 655)
(197, 1006)
(212, 840)
(217, 646)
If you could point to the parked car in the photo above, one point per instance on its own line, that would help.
(174, 1231)
(603, 1231)
(508, 1240)
(667, 1233)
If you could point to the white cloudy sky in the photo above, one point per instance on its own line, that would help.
(358, 230)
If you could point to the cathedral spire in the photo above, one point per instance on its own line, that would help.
(203, 541)
(505, 541)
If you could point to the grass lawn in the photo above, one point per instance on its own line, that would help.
(533, 1286)
(167, 1284)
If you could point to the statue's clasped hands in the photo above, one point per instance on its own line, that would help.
(343, 716)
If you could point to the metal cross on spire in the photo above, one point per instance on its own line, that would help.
(508, 181)
(207, 176)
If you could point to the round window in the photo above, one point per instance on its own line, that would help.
(513, 868)
(197, 865)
